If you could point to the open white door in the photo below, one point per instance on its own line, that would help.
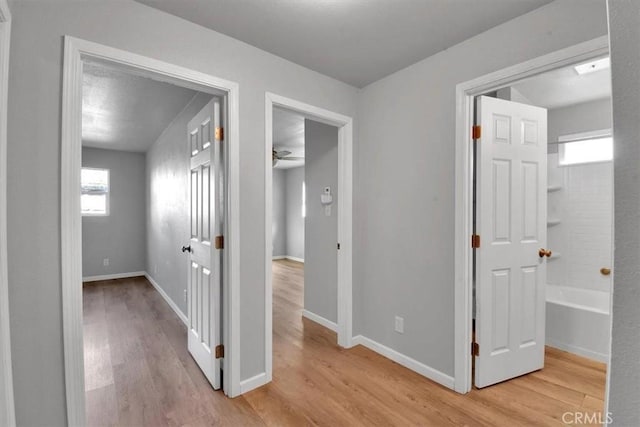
(511, 220)
(205, 248)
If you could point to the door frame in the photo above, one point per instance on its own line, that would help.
(75, 52)
(345, 214)
(7, 405)
(465, 94)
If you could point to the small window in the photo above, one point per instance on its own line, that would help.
(304, 201)
(94, 197)
(585, 148)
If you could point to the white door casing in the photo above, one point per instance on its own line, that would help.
(511, 221)
(206, 207)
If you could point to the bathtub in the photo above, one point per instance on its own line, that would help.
(577, 321)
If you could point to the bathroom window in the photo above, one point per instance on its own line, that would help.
(94, 199)
(585, 148)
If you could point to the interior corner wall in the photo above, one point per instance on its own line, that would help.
(320, 230)
(33, 172)
(623, 375)
(295, 223)
(404, 224)
(121, 235)
(168, 212)
(279, 216)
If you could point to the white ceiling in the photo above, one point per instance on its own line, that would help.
(288, 134)
(356, 41)
(564, 86)
(126, 112)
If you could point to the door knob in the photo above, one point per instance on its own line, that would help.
(544, 253)
(186, 249)
(605, 271)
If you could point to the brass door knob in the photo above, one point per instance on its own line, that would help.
(544, 253)
(605, 271)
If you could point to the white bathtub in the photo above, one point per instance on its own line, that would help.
(578, 321)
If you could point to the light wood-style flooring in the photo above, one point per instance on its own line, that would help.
(138, 372)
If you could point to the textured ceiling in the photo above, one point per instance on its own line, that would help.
(125, 112)
(288, 134)
(356, 41)
(564, 86)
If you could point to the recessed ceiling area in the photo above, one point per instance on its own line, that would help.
(564, 87)
(126, 112)
(288, 135)
(355, 41)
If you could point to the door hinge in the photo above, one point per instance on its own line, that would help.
(219, 242)
(338, 246)
(475, 241)
(476, 132)
(219, 134)
(219, 351)
(475, 349)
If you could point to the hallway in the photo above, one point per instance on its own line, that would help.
(138, 372)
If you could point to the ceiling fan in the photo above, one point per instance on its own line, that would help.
(276, 156)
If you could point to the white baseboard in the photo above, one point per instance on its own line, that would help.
(113, 276)
(320, 320)
(589, 354)
(405, 361)
(169, 301)
(289, 257)
(253, 383)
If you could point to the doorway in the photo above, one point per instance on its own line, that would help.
(77, 54)
(531, 170)
(342, 246)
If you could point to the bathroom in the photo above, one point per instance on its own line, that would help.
(579, 204)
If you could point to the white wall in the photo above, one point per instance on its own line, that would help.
(167, 197)
(34, 167)
(121, 236)
(279, 213)
(584, 117)
(624, 368)
(295, 222)
(320, 230)
(404, 194)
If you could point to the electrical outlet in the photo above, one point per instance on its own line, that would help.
(105, 262)
(399, 325)
(185, 295)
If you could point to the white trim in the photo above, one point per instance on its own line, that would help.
(113, 276)
(580, 351)
(601, 133)
(7, 405)
(169, 301)
(345, 202)
(253, 382)
(465, 93)
(289, 257)
(406, 361)
(320, 320)
(75, 51)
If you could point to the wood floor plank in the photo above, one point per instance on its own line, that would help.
(156, 382)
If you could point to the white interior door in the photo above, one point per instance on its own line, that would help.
(511, 220)
(205, 246)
